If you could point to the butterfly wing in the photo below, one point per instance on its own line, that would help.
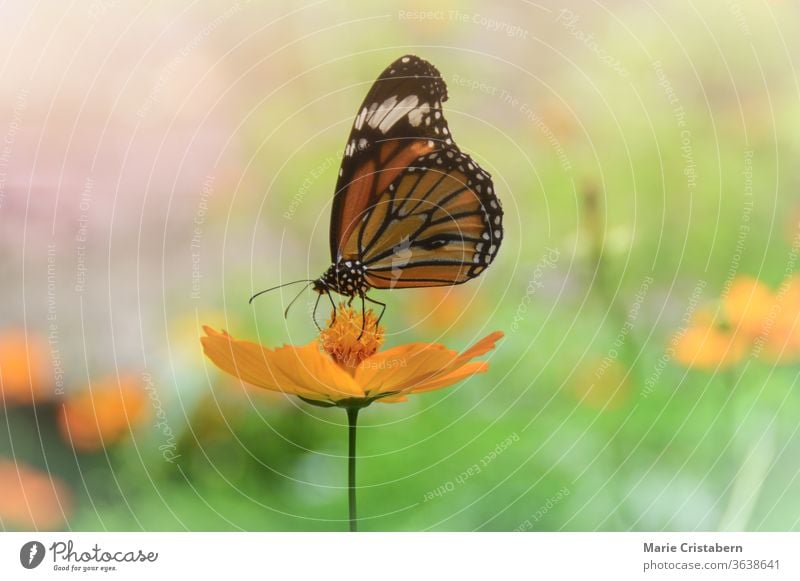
(399, 121)
(409, 204)
(438, 223)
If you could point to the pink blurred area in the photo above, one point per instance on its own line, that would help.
(114, 121)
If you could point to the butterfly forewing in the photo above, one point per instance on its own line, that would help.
(400, 120)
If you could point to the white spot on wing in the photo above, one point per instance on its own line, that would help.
(397, 113)
(360, 119)
(381, 111)
(415, 116)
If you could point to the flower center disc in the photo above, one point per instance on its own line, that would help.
(350, 338)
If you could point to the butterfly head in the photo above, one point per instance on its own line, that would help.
(346, 277)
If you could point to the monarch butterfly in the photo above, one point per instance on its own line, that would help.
(410, 209)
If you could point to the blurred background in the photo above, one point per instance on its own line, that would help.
(160, 162)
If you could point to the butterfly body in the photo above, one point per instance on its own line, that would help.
(346, 277)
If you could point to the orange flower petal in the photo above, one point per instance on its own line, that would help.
(394, 368)
(748, 305)
(459, 374)
(305, 371)
(418, 366)
(481, 347)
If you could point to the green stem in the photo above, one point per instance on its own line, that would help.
(352, 418)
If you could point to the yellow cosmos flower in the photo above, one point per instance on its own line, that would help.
(344, 367)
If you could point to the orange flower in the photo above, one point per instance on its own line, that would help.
(344, 366)
(24, 365)
(748, 304)
(31, 499)
(705, 345)
(756, 319)
(103, 414)
(709, 348)
(779, 340)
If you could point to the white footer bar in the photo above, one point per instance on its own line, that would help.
(406, 556)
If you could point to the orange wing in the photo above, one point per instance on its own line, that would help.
(367, 180)
(438, 223)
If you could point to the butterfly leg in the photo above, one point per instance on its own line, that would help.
(314, 314)
(363, 316)
(374, 302)
(333, 306)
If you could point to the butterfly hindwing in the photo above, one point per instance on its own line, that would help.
(400, 119)
(438, 223)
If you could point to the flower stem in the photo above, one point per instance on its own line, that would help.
(352, 418)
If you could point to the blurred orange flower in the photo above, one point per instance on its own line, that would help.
(343, 367)
(779, 340)
(30, 499)
(101, 415)
(747, 305)
(756, 319)
(24, 368)
(708, 346)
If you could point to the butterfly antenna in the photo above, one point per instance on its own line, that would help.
(294, 300)
(258, 294)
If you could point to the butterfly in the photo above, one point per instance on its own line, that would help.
(410, 209)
